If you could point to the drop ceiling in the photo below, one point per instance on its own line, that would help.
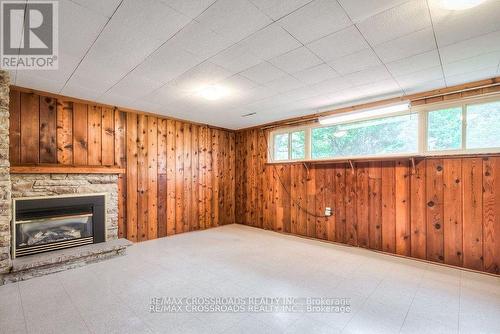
(278, 58)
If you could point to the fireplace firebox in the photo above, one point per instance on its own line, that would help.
(49, 223)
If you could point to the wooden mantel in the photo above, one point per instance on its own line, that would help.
(65, 169)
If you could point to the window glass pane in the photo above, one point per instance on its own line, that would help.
(298, 145)
(389, 135)
(445, 129)
(483, 125)
(281, 146)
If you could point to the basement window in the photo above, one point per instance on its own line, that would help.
(461, 127)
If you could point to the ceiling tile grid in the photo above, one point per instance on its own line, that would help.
(278, 58)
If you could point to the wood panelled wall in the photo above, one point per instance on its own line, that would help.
(445, 210)
(179, 176)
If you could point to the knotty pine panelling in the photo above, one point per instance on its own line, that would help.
(179, 176)
(445, 210)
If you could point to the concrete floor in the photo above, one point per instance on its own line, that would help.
(387, 294)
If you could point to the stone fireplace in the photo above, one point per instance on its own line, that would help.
(52, 221)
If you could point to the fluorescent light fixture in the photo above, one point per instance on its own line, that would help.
(459, 4)
(364, 114)
(213, 92)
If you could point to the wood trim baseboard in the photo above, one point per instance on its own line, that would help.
(66, 169)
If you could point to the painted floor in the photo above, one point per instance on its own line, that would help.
(386, 294)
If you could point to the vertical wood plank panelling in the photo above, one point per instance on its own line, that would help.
(232, 181)
(310, 179)
(94, 135)
(179, 177)
(350, 207)
(434, 191)
(195, 169)
(208, 178)
(132, 176)
(162, 178)
(294, 195)
(452, 213)
(142, 177)
(30, 127)
(388, 201)
(15, 127)
(120, 160)
(107, 137)
(491, 214)
(472, 178)
(64, 133)
(48, 145)
(362, 209)
(403, 227)
(152, 189)
(202, 156)
(187, 185)
(339, 204)
(171, 174)
(418, 210)
(375, 205)
(80, 134)
(216, 177)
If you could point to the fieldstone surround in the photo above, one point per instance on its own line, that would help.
(32, 185)
(5, 199)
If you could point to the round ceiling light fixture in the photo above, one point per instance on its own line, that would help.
(213, 92)
(459, 4)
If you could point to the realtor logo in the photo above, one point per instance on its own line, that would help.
(29, 35)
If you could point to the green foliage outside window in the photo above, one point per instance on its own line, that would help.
(390, 135)
(445, 129)
(281, 146)
(483, 125)
(298, 145)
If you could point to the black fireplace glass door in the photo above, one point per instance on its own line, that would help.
(48, 230)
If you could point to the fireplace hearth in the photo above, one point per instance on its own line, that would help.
(50, 223)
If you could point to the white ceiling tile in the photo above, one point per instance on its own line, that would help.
(359, 10)
(471, 47)
(299, 94)
(270, 42)
(470, 65)
(338, 44)
(316, 74)
(263, 72)
(480, 74)
(409, 45)
(279, 8)
(199, 77)
(80, 27)
(398, 21)
(425, 86)
(191, 8)
(237, 85)
(168, 62)
(414, 79)
(331, 85)
(236, 58)
(414, 64)
(165, 95)
(197, 40)
(454, 26)
(134, 86)
(151, 18)
(315, 20)
(101, 7)
(296, 60)
(115, 99)
(355, 62)
(256, 94)
(234, 19)
(86, 92)
(284, 84)
(373, 74)
(27, 79)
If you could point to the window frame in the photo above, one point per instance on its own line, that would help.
(422, 112)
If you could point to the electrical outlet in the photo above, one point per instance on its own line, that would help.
(328, 211)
